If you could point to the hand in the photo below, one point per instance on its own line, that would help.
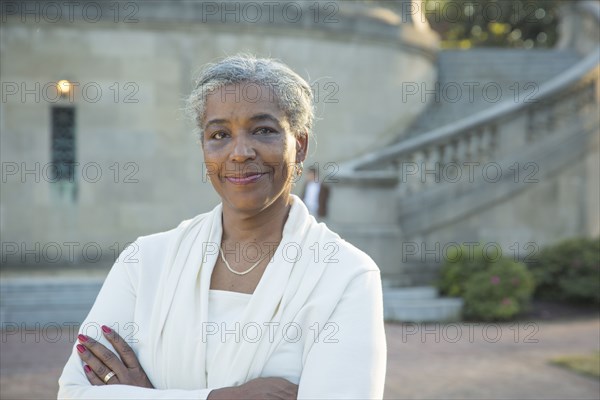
(100, 361)
(259, 388)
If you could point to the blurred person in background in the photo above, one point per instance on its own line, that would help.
(315, 194)
(242, 301)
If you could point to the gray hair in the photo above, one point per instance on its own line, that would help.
(292, 93)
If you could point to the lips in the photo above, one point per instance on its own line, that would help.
(245, 179)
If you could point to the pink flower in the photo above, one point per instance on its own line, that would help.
(494, 280)
(506, 301)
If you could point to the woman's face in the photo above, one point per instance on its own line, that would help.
(249, 148)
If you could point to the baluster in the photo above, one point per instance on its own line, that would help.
(454, 151)
(551, 117)
(439, 160)
(402, 187)
(431, 174)
(448, 153)
(562, 115)
(492, 141)
(467, 146)
(415, 182)
(474, 145)
(582, 98)
(461, 150)
(530, 133)
(405, 166)
(424, 180)
(394, 165)
(441, 150)
(592, 97)
(484, 145)
(478, 144)
(573, 103)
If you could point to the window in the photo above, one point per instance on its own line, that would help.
(63, 143)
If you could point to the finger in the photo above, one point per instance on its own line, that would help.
(93, 362)
(91, 375)
(112, 380)
(125, 351)
(106, 357)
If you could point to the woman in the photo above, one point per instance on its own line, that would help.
(254, 299)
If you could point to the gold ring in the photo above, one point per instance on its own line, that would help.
(108, 376)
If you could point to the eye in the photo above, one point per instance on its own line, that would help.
(265, 131)
(219, 135)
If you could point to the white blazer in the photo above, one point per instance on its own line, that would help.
(315, 318)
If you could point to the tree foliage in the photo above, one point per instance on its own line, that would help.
(487, 23)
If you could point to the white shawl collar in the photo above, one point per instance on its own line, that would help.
(183, 296)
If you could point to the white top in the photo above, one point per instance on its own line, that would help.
(225, 310)
(311, 196)
(315, 317)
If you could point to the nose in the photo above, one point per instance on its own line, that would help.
(243, 149)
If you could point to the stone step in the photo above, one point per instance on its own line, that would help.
(46, 301)
(432, 310)
(419, 304)
(13, 319)
(410, 293)
(411, 276)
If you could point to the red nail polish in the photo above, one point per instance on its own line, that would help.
(106, 329)
(80, 348)
(87, 368)
(82, 338)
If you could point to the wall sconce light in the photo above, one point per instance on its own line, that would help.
(64, 87)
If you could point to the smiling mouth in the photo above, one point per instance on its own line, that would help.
(246, 179)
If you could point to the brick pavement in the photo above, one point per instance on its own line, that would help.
(424, 362)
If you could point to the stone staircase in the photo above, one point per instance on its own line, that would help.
(471, 81)
(419, 304)
(46, 302)
(539, 110)
(52, 302)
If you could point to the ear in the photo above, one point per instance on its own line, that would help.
(301, 147)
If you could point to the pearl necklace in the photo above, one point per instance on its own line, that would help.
(244, 272)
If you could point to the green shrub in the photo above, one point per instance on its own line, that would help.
(500, 292)
(568, 271)
(492, 287)
(461, 263)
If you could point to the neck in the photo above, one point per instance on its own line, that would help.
(263, 226)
